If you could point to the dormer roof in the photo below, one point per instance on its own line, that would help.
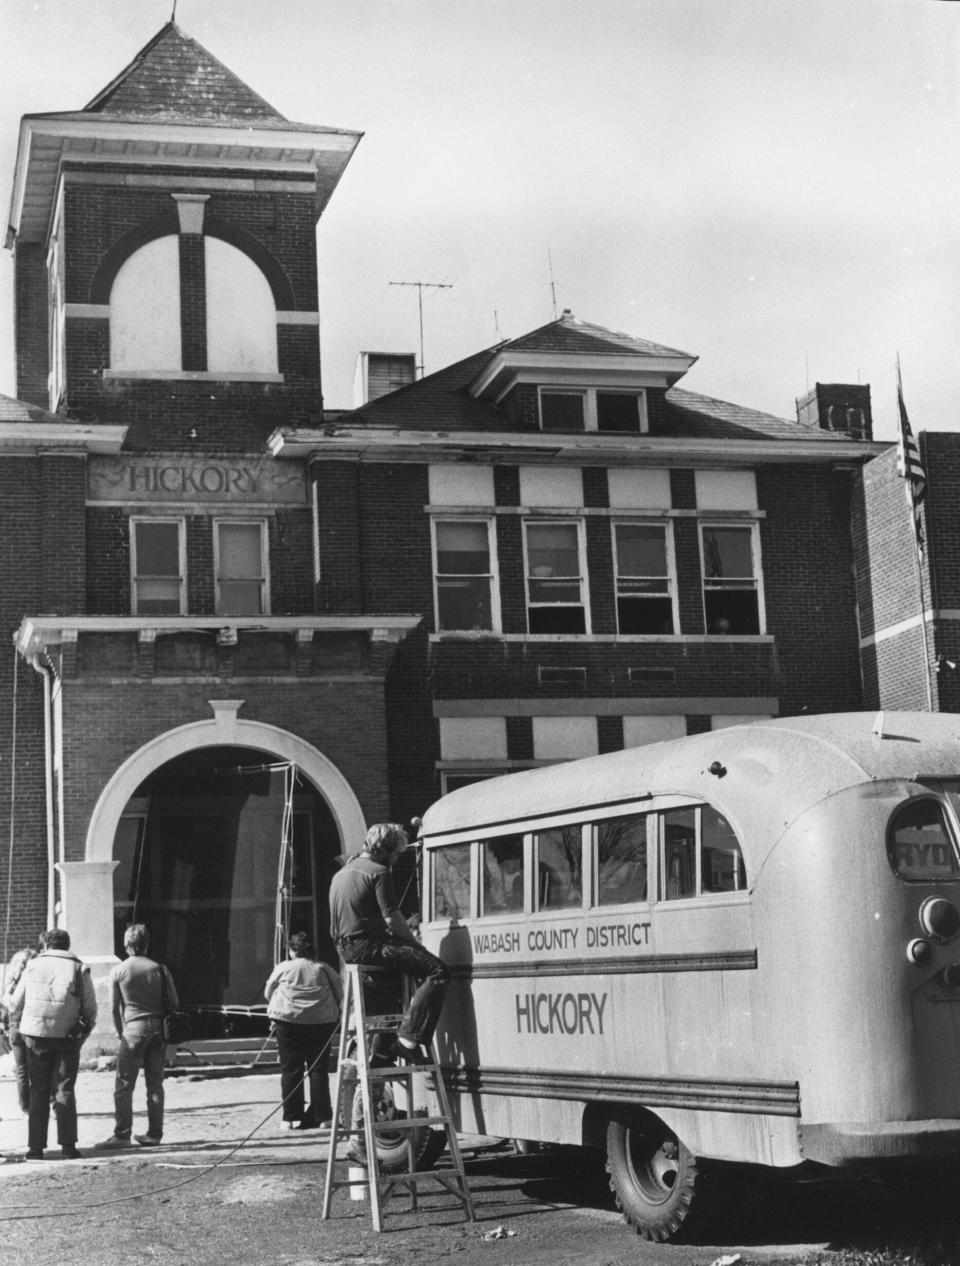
(174, 104)
(568, 349)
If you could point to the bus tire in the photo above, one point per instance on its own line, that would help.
(392, 1147)
(653, 1177)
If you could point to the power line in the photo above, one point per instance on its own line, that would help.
(421, 286)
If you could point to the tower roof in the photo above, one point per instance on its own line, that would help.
(173, 75)
(173, 104)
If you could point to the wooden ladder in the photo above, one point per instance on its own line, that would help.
(354, 1071)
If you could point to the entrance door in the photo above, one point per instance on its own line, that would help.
(202, 863)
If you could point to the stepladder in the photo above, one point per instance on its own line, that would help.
(391, 1121)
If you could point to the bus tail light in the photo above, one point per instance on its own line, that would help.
(919, 951)
(940, 919)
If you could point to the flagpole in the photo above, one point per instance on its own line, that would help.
(910, 468)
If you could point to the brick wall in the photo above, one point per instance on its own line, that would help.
(809, 587)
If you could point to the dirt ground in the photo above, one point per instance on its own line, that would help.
(228, 1187)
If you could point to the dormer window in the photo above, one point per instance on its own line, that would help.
(562, 410)
(611, 412)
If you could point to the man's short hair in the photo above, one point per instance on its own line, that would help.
(136, 938)
(299, 943)
(55, 939)
(384, 838)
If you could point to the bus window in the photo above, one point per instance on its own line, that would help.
(559, 855)
(451, 882)
(721, 862)
(503, 874)
(679, 870)
(622, 860)
(918, 842)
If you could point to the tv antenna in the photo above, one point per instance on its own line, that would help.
(553, 288)
(421, 287)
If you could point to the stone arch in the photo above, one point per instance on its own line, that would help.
(224, 730)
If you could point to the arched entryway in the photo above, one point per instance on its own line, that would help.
(224, 836)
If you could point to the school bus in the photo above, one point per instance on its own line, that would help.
(732, 950)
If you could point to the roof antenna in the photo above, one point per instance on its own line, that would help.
(553, 288)
(173, 14)
(421, 286)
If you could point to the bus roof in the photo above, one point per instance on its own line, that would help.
(766, 772)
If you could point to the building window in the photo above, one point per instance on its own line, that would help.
(644, 577)
(555, 577)
(731, 587)
(562, 410)
(619, 411)
(157, 566)
(241, 567)
(465, 589)
(580, 409)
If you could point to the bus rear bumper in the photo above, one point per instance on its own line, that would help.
(871, 1142)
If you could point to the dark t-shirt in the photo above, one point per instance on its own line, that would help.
(361, 898)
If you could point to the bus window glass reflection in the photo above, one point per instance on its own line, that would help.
(451, 882)
(622, 860)
(679, 870)
(503, 874)
(919, 844)
(559, 868)
(721, 861)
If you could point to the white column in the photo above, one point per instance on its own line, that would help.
(86, 908)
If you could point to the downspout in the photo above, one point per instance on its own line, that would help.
(47, 674)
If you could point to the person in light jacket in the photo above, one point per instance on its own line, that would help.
(17, 1045)
(55, 1006)
(303, 997)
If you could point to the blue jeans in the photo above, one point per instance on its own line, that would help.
(142, 1046)
(423, 1012)
(52, 1066)
(22, 1077)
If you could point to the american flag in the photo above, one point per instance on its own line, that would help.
(910, 467)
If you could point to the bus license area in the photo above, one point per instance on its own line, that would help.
(628, 935)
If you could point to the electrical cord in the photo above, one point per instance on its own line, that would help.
(72, 1210)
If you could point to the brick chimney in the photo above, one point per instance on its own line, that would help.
(838, 406)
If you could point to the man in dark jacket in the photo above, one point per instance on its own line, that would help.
(56, 1007)
(368, 928)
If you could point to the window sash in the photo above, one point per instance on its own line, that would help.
(562, 410)
(464, 579)
(643, 578)
(555, 572)
(240, 563)
(157, 566)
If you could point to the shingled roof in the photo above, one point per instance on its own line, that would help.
(443, 402)
(569, 334)
(12, 410)
(174, 76)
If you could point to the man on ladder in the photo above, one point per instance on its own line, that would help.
(368, 929)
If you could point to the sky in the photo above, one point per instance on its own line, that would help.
(772, 186)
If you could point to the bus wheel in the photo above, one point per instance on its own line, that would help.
(652, 1175)
(392, 1144)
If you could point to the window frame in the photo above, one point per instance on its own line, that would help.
(671, 569)
(582, 578)
(493, 576)
(755, 584)
(591, 413)
(134, 521)
(263, 579)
